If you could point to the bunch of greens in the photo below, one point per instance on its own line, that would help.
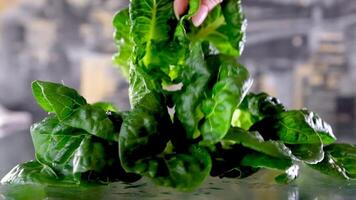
(191, 114)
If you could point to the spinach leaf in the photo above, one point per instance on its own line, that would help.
(75, 154)
(123, 41)
(296, 127)
(303, 132)
(226, 161)
(142, 87)
(34, 173)
(150, 23)
(254, 108)
(184, 171)
(52, 125)
(188, 100)
(107, 107)
(260, 160)
(233, 83)
(57, 98)
(141, 137)
(339, 161)
(309, 153)
(254, 141)
(94, 121)
(224, 29)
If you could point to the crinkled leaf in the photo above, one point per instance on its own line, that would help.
(227, 161)
(254, 108)
(30, 172)
(309, 153)
(195, 82)
(94, 121)
(141, 89)
(150, 21)
(224, 29)
(233, 83)
(296, 127)
(51, 125)
(123, 41)
(141, 135)
(254, 141)
(260, 160)
(77, 154)
(105, 106)
(57, 98)
(184, 171)
(339, 161)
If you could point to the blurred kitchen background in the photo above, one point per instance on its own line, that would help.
(301, 51)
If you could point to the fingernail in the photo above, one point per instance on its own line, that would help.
(179, 7)
(201, 15)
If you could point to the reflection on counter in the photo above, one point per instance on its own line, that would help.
(311, 185)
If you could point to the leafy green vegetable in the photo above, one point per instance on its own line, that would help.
(254, 141)
(224, 29)
(296, 127)
(233, 83)
(339, 161)
(33, 172)
(94, 121)
(196, 77)
(190, 113)
(57, 98)
(254, 108)
(107, 107)
(123, 41)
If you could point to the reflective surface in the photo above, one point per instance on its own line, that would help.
(311, 185)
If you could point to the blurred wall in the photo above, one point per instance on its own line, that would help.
(301, 51)
(67, 41)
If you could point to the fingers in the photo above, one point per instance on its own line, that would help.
(205, 7)
(201, 15)
(180, 6)
(211, 3)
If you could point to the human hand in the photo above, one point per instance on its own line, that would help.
(180, 7)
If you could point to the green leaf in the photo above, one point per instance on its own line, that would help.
(141, 89)
(242, 119)
(94, 121)
(33, 173)
(150, 21)
(123, 41)
(105, 106)
(227, 161)
(89, 156)
(309, 153)
(260, 160)
(76, 155)
(188, 99)
(254, 108)
(296, 127)
(184, 171)
(56, 150)
(57, 98)
(233, 83)
(254, 141)
(52, 125)
(224, 29)
(339, 161)
(141, 137)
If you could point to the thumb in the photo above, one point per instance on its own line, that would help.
(205, 7)
(179, 7)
